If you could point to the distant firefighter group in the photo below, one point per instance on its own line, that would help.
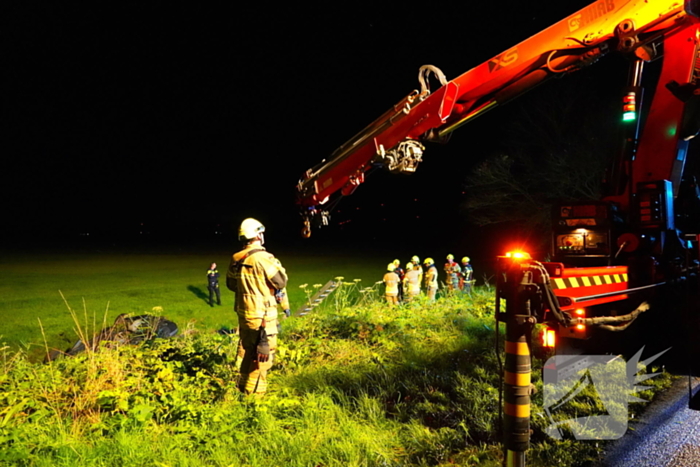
(405, 285)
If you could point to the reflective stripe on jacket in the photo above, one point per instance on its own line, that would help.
(412, 281)
(254, 278)
(431, 277)
(391, 280)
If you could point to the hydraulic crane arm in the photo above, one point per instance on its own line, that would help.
(394, 140)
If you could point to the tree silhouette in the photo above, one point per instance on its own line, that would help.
(557, 145)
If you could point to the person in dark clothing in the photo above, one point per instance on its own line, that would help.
(213, 285)
(466, 278)
(401, 273)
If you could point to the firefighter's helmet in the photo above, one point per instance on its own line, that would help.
(428, 262)
(397, 263)
(465, 259)
(249, 229)
(415, 260)
(450, 257)
(409, 266)
(390, 267)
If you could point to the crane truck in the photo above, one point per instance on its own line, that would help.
(615, 251)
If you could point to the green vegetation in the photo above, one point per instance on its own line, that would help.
(102, 286)
(354, 385)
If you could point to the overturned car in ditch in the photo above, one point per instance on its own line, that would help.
(126, 330)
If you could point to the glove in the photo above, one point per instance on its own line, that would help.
(263, 347)
(287, 313)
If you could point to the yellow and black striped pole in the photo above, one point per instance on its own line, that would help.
(516, 287)
(516, 405)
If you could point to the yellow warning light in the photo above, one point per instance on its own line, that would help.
(518, 255)
(580, 313)
(549, 338)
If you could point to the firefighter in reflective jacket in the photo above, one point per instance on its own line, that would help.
(213, 285)
(453, 271)
(416, 265)
(411, 282)
(431, 278)
(254, 275)
(466, 277)
(391, 284)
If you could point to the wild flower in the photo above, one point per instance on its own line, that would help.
(305, 288)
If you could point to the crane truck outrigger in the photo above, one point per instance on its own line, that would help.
(628, 242)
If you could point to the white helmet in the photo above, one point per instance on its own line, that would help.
(249, 229)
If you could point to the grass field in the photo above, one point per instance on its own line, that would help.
(109, 284)
(361, 385)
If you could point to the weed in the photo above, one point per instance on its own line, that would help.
(355, 383)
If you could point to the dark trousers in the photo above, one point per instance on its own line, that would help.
(214, 289)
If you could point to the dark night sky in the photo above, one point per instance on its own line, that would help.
(190, 116)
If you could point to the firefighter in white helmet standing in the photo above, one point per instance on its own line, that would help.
(416, 265)
(431, 278)
(254, 275)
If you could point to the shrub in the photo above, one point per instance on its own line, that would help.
(365, 384)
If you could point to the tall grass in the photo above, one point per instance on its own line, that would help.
(356, 383)
(106, 285)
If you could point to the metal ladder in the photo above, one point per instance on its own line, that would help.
(318, 297)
